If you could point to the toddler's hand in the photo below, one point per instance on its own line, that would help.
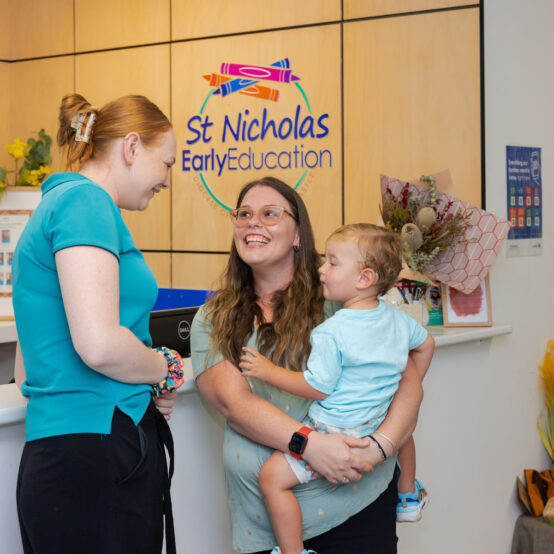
(253, 364)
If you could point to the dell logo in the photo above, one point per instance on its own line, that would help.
(183, 329)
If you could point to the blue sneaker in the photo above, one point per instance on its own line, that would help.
(410, 504)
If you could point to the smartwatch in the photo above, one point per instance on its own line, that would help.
(298, 442)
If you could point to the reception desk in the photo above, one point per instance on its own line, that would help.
(198, 491)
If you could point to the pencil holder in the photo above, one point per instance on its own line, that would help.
(414, 310)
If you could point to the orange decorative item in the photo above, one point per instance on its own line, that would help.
(540, 488)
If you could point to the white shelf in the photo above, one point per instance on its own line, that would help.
(12, 405)
(8, 332)
(445, 336)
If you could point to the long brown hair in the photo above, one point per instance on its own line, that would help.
(114, 120)
(233, 309)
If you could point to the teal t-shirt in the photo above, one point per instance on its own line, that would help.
(65, 395)
(324, 505)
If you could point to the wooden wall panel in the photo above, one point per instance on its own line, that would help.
(111, 23)
(5, 14)
(160, 264)
(38, 28)
(412, 104)
(105, 76)
(372, 8)
(36, 90)
(197, 271)
(198, 222)
(198, 18)
(411, 101)
(5, 114)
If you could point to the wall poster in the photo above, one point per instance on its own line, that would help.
(12, 223)
(524, 187)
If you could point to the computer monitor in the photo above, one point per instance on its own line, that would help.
(171, 328)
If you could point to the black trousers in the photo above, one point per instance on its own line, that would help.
(371, 531)
(97, 494)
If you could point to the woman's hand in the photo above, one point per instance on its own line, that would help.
(165, 403)
(334, 457)
(253, 364)
(371, 454)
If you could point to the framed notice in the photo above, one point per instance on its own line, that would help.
(12, 223)
(467, 310)
(524, 195)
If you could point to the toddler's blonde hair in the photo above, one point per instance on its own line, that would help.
(380, 249)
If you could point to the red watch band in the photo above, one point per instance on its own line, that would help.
(298, 442)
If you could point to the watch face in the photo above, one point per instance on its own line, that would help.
(297, 443)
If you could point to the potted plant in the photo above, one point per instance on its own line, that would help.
(35, 154)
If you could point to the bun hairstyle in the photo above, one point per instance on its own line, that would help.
(86, 131)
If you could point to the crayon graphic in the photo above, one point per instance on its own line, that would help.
(215, 79)
(238, 84)
(258, 72)
(258, 91)
(265, 93)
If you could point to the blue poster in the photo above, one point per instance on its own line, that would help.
(524, 195)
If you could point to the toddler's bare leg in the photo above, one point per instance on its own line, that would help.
(276, 482)
(407, 461)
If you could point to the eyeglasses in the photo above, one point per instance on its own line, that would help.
(267, 215)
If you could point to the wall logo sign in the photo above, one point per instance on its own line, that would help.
(217, 147)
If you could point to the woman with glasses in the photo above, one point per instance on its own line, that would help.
(270, 299)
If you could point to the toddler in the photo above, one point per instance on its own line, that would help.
(353, 370)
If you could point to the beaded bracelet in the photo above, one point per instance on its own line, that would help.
(379, 446)
(174, 378)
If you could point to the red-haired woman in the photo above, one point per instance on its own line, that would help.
(93, 474)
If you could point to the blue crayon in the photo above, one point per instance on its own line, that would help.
(238, 84)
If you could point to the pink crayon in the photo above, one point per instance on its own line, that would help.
(257, 72)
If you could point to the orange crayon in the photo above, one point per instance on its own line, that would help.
(265, 93)
(258, 91)
(215, 79)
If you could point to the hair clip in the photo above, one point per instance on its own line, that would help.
(77, 124)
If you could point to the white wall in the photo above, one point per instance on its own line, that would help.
(477, 425)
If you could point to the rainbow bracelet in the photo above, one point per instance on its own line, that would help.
(174, 377)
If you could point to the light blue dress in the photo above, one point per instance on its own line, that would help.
(324, 505)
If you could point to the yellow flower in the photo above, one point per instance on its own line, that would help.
(45, 170)
(17, 148)
(33, 177)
